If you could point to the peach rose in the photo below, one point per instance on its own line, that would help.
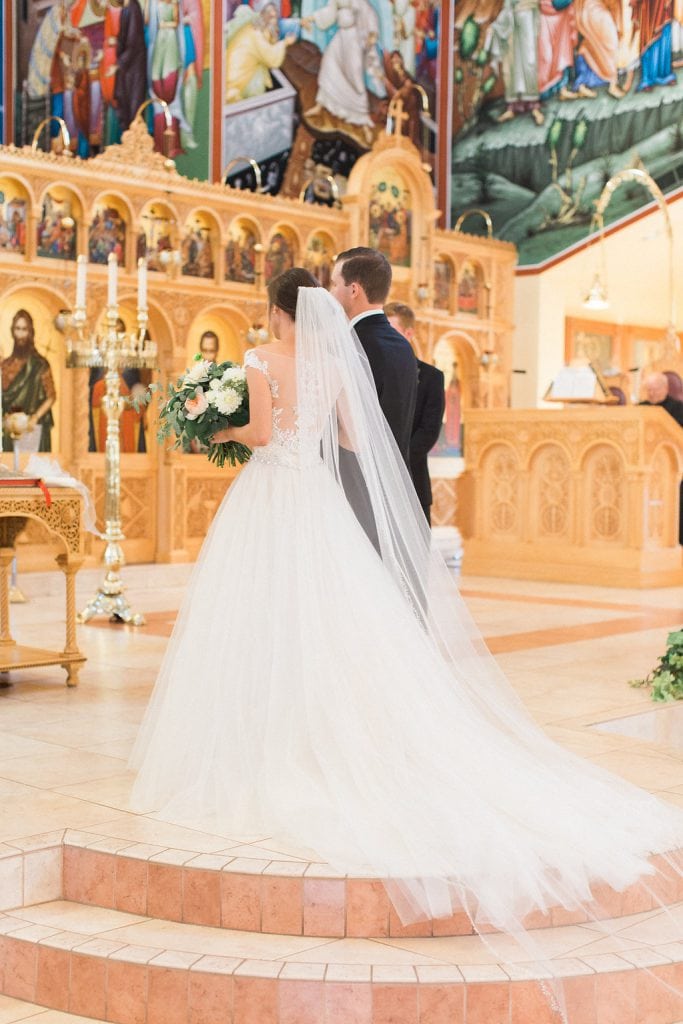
(194, 407)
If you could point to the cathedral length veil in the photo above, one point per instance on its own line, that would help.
(555, 825)
(318, 695)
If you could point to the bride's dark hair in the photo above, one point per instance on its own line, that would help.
(283, 290)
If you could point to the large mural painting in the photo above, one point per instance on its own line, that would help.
(552, 97)
(309, 84)
(93, 63)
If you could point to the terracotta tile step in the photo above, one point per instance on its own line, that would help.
(253, 894)
(130, 969)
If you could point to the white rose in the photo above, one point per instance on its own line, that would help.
(215, 384)
(228, 401)
(198, 372)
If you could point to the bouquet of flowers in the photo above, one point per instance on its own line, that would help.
(209, 397)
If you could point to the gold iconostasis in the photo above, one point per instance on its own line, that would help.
(210, 251)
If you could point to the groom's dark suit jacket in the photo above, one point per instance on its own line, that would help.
(394, 371)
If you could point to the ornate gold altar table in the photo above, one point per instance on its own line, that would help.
(584, 494)
(63, 519)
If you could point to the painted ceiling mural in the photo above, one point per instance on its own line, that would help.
(93, 63)
(305, 85)
(551, 98)
(308, 84)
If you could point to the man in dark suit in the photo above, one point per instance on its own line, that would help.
(656, 388)
(429, 407)
(361, 279)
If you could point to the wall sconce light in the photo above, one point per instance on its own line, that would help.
(489, 359)
(257, 335)
(422, 292)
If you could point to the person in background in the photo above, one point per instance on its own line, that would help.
(656, 387)
(429, 407)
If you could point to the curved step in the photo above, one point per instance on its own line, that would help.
(287, 897)
(131, 969)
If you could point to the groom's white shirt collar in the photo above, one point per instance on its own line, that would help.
(362, 316)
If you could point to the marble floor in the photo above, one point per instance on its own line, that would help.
(569, 651)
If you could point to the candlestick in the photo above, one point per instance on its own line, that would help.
(112, 267)
(142, 283)
(81, 271)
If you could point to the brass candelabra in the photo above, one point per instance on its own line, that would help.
(113, 351)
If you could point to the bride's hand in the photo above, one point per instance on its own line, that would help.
(221, 436)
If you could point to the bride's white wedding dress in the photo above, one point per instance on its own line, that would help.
(319, 693)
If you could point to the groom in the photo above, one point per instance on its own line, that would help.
(361, 279)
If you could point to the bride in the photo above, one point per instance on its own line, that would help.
(338, 697)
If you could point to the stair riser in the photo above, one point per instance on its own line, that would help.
(316, 907)
(134, 993)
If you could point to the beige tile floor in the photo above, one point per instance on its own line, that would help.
(63, 751)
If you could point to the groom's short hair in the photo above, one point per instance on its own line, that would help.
(368, 268)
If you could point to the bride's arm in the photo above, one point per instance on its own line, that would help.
(258, 430)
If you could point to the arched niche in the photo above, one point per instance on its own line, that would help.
(59, 224)
(470, 295)
(444, 278)
(282, 252)
(228, 325)
(42, 306)
(319, 256)
(108, 229)
(241, 251)
(454, 354)
(157, 238)
(14, 207)
(390, 216)
(198, 246)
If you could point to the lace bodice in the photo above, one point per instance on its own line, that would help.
(293, 443)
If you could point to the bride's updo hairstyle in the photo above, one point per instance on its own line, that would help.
(283, 290)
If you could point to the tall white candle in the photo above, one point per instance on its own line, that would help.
(81, 271)
(113, 267)
(142, 283)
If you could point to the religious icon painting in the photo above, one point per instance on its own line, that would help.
(157, 240)
(197, 248)
(241, 251)
(390, 218)
(319, 257)
(468, 289)
(443, 283)
(281, 254)
(12, 224)
(57, 228)
(107, 233)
